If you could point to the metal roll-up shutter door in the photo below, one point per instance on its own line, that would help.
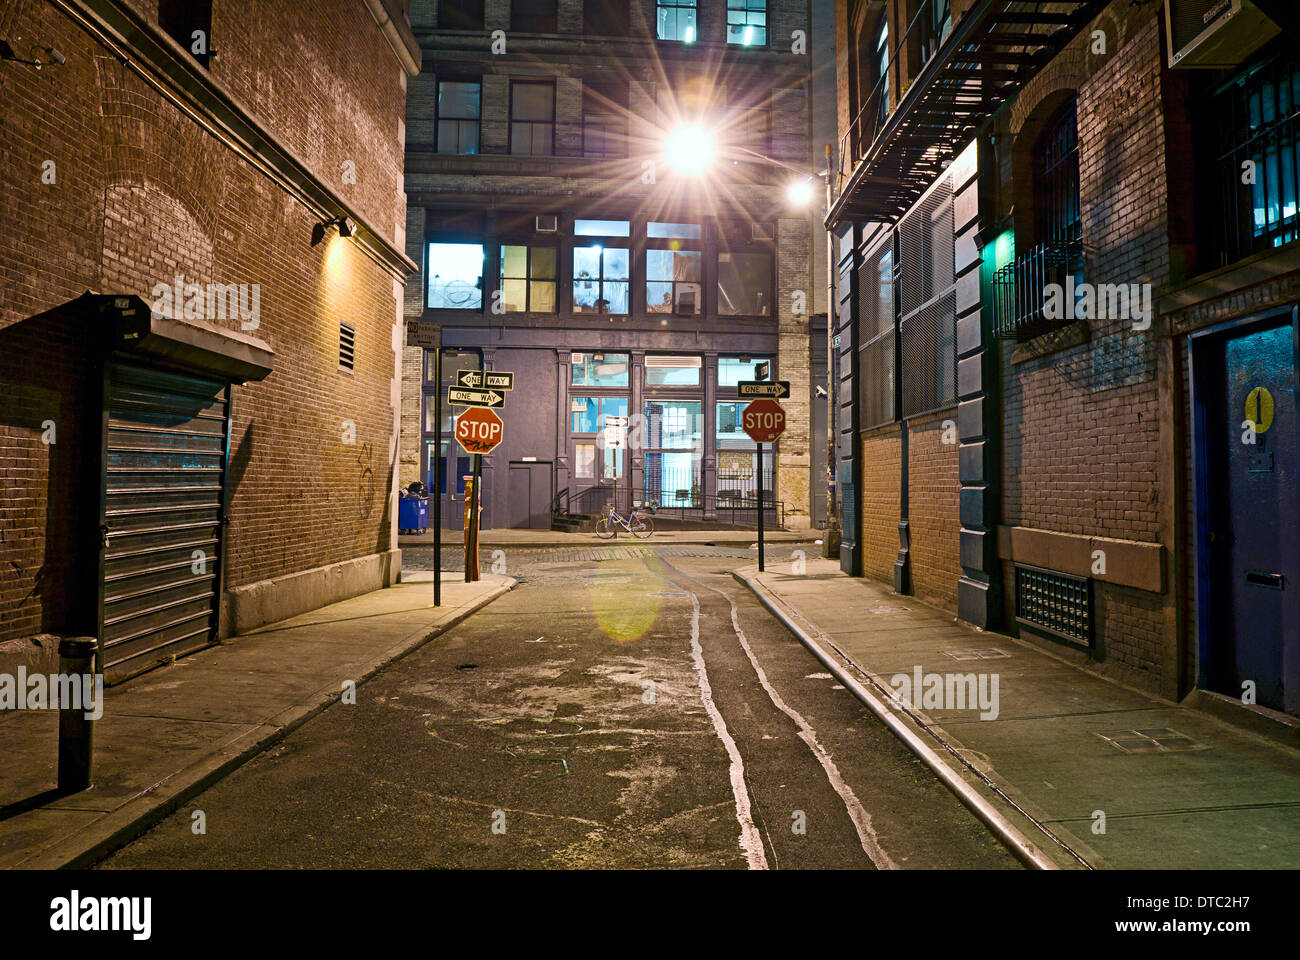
(164, 462)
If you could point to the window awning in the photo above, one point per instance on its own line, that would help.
(991, 53)
(129, 325)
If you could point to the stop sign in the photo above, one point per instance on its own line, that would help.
(763, 420)
(479, 430)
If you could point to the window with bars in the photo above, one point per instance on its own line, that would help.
(927, 328)
(747, 22)
(1056, 178)
(1258, 125)
(458, 116)
(876, 336)
(532, 118)
(675, 20)
(1055, 602)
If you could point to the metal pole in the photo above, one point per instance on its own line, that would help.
(760, 508)
(76, 729)
(832, 540)
(437, 479)
(473, 516)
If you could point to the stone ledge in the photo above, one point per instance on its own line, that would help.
(252, 605)
(1054, 341)
(1129, 563)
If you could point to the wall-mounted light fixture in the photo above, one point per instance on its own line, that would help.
(56, 58)
(345, 224)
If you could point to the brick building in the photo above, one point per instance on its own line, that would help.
(1068, 311)
(198, 403)
(556, 242)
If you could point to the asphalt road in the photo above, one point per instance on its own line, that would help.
(622, 707)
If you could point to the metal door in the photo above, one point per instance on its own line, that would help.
(164, 453)
(529, 505)
(1250, 525)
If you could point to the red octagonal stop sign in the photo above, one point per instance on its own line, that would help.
(763, 420)
(479, 430)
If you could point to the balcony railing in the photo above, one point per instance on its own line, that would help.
(1020, 290)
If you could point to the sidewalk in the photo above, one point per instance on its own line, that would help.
(1178, 788)
(552, 538)
(167, 735)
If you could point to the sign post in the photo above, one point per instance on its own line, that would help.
(764, 421)
(428, 336)
(478, 431)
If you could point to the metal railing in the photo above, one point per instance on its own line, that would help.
(723, 508)
(1020, 290)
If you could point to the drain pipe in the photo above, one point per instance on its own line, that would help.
(1013, 839)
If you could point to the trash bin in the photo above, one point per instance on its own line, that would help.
(412, 514)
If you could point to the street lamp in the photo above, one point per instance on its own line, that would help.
(690, 149)
(800, 192)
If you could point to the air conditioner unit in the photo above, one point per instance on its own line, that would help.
(547, 223)
(1211, 34)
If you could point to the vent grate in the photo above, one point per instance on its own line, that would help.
(1055, 602)
(347, 346)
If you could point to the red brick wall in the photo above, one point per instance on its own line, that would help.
(934, 508)
(143, 192)
(881, 462)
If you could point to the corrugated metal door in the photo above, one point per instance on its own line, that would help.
(165, 448)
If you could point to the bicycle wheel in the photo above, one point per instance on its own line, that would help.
(603, 529)
(642, 527)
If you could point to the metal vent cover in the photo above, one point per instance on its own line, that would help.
(1055, 602)
(347, 346)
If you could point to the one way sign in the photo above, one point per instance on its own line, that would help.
(496, 379)
(775, 389)
(475, 398)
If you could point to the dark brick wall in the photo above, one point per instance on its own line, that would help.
(933, 505)
(882, 449)
(144, 192)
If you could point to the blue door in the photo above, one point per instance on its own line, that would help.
(1249, 574)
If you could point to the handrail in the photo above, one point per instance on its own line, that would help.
(1019, 289)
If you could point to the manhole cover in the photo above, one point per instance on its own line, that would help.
(981, 653)
(1163, 740)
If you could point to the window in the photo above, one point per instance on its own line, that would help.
(460, 14)
(687, 231)
(458, 116)
(744, 284)
(600, 369)
(189, 23)
(527, 279)
(747, 22)
(532, 118)
(935, 25)
(587, 414)
(876, 336)
(1056, 178)
(584, 461)
(455, 274)
(927, 299)
(674, 447)
(602, 228)
(605, 18)
(600, 279)
(672, 371)
(604, 120)
(676, 20)
(732, 370)
(532, 16)
(737, 477)
(882, 66)
(1258, 114)
(750, 121)
(673, 282)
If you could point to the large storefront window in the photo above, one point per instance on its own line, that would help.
(600, 369)
(456, 276)
(672, 371)
(674, 443)
(738, 471)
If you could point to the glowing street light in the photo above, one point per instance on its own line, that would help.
(690, 149)
(800, 192)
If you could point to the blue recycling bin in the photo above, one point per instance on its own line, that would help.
(413, 514)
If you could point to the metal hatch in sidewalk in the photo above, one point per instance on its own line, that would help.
(164, 457)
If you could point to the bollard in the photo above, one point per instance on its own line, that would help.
(76, 730)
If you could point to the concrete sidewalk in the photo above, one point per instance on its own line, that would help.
(167, 735)
(553, 538)
(1178, 787)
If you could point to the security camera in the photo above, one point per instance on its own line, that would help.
(821, 391)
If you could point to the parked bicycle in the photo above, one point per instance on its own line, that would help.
(636, 523)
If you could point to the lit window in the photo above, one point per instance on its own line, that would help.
(673, 282)
(456, 276)
(600, 369)
(458, 115)
(687, 231)
(528, 279)
(676, 20)
(732, 370)
(602, 228)
(672, 371)
(600, 279)
(747, 22)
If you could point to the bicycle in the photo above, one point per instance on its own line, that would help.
(636, 523)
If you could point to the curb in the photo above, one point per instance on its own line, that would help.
(1020, 846)
(121, 826)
